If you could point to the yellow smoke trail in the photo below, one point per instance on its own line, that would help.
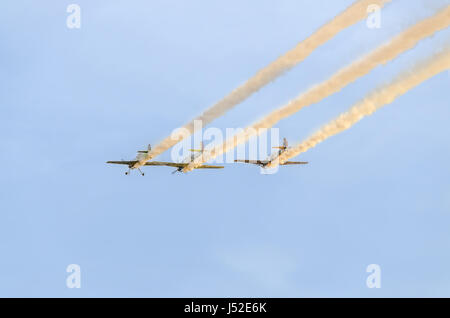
(372, 103)
(385, 53)
(353, 14)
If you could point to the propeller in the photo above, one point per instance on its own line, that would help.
(178, 170)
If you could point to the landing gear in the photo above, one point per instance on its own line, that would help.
(141, 172)
(128, 172)
(178, 170)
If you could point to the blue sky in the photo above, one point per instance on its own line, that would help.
(73, 99)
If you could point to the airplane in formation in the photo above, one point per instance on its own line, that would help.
(273, 156)
(142, 156)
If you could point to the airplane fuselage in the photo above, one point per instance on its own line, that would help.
(137, 165)
(141, 160)
(272, 157)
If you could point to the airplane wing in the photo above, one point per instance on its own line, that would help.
(255, 162)
(295, 163)
(122, 162)
(179, 165)
(264, 162)
(209, 167)
(167, 164)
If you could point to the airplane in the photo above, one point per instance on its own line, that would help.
(142, 156)
(273, 156)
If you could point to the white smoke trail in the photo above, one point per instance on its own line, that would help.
(353, 14)
(385, 53)
(372, 103)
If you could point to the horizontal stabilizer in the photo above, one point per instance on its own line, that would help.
(149, 148)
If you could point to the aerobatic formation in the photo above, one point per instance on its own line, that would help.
(383, 96)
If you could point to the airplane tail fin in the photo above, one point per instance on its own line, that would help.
(149, 148)
(284, 146)
(202, 148)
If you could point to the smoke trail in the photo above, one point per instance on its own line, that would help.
(372, 103)
(387, 52)
(353, 14)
